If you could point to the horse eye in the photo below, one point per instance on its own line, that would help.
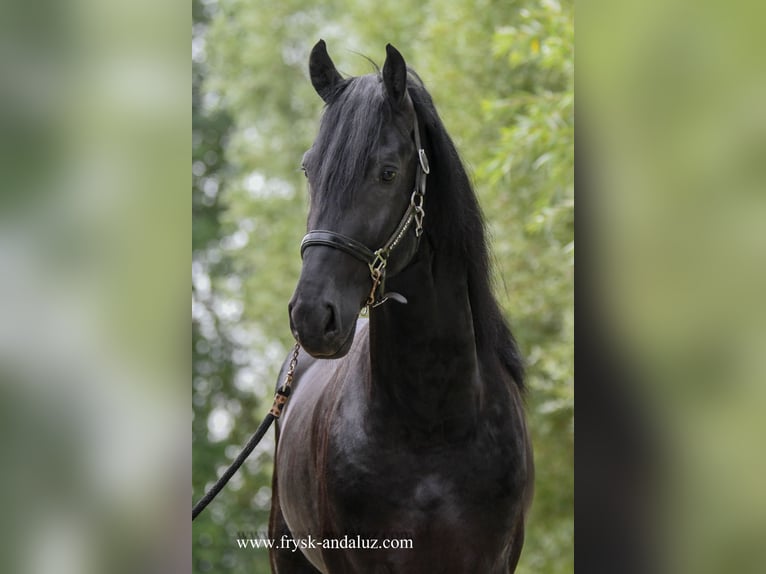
(388, 175)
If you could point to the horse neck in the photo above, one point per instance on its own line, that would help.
(423, 353)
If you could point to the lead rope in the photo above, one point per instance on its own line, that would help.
(280, 399)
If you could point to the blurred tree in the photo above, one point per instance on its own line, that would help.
(527, 178)
(219, 358)
(501, 74)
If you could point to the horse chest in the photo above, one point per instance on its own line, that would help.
(408, 487)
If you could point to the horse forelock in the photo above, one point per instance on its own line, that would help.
(348, 134)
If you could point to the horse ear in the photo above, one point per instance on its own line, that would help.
(395, 75)
(324, 76)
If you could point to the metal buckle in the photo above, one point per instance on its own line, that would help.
(378, 264)
(377, 272)
(417, 200)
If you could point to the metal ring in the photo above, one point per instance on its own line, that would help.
(424, 161)
(417, 199)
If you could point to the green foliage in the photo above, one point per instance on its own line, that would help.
(501, 74)
(527, 180)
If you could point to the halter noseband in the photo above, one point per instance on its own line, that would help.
(378, 259)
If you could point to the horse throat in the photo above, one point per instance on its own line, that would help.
(423, 354)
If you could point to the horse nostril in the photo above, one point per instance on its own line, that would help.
(330, 325)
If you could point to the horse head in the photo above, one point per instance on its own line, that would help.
(361, 170)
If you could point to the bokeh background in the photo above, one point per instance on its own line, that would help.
(501, 74)
(94, 269)
(674, 157)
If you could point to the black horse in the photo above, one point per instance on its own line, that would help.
(408, 426)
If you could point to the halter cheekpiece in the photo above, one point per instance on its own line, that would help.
(377, 260)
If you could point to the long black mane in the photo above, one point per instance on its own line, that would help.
(455, 224)
(349, 131)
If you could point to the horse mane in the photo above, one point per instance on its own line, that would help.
(350, 128)
(455, 223)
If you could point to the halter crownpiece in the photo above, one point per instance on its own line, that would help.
(378, 260)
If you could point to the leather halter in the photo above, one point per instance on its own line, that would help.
(378, 259)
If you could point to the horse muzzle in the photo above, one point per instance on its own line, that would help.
(322, 315)
(319, 329)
